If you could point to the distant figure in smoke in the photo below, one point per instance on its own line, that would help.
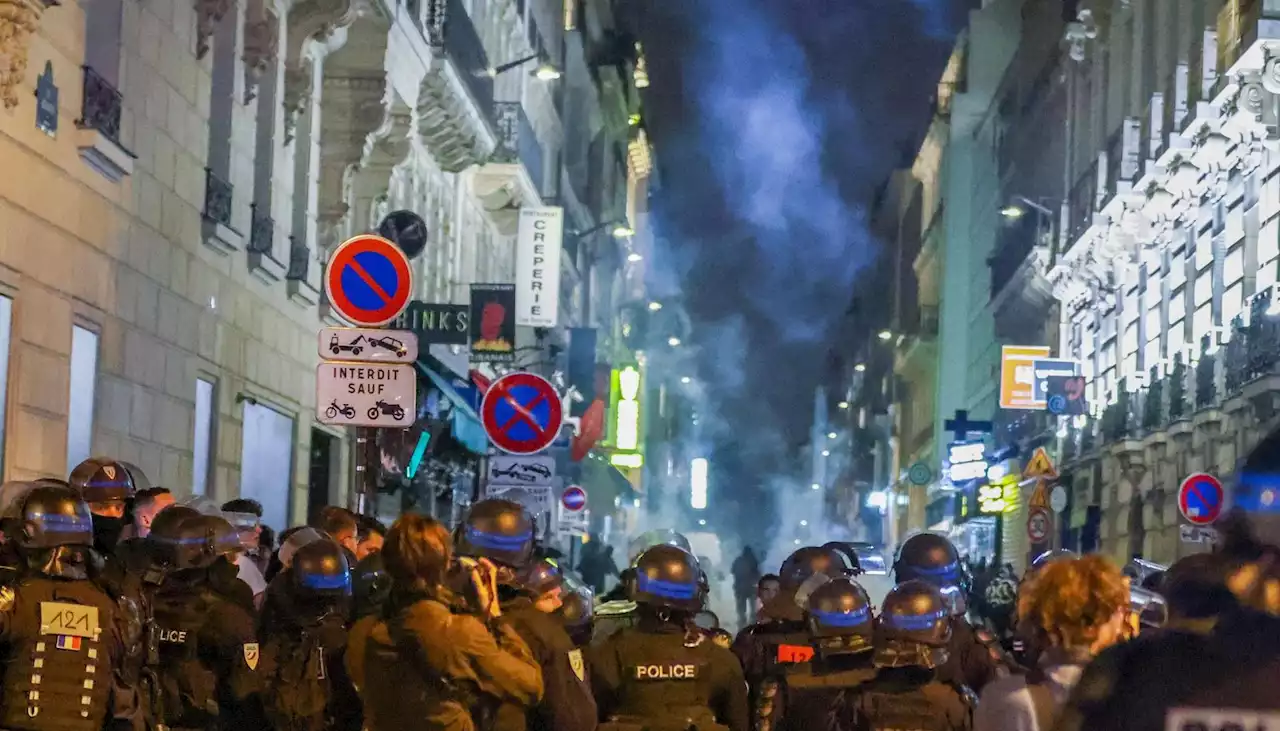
(746, 572)
(596, 564)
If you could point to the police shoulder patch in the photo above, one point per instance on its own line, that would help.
(576, 664)
(251, 655)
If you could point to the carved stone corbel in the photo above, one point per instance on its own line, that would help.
(261, 46)
(308, 19)
(18, 20)
(208, 14)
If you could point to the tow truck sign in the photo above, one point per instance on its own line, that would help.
(367, 345)
(359, 394)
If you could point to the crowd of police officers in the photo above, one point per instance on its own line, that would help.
(159, 633)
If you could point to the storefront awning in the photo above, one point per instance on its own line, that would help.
(603, 482)
(464, 423)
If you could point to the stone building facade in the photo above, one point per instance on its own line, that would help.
(162, 246)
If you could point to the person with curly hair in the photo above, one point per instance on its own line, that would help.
(1075, 607)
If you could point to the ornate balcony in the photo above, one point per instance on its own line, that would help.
(455, 98)
(98, 129)
(514, 174)
(263, 262)
(216, 226)
(304, 274)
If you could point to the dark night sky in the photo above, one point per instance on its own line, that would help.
(774, 122)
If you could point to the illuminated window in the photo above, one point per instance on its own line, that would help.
(628, 431)
(84, 381)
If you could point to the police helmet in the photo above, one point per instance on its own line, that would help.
(320, 569)
(928, 557)
(914, 627)
(103, 480)
(54, 516)
(199, 540)
(576, 613)
(658, 537)
(809, 562)
(839, 616)
(540, 577)
(12, 497)
(499, 530)
(140, 481)
(164, 536)
(667, 576)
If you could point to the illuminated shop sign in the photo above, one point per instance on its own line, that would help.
(626, 431)
(999, 497)
(966, 461)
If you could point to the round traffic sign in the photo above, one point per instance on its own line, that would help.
(522, 413)
(1058, 499)
(1039, 525)
(919, 474)
(574, 499)
(368, 280)
(1057, 404)
(1200, 498)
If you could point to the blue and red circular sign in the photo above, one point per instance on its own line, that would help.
(522, 413)
(573, 499)
(1200, 499)
(368, 280)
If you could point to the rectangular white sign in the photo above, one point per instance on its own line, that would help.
(355, 394)
(531, 470)
(539, 239)
(570, 524)
(1197, 534)
(367, 345)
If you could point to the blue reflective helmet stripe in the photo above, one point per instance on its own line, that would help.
(842, 619)
(63, 523)
(914, 622)
(324, 582)
(950, 572)
(498, 541)
(666, 589)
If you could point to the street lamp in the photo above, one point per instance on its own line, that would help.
(544, 72)
(884, 335)
(1015, 209)
(815, 486)
(826, 453)
(620, 229)
(655, 306)
(860, 368)
(831, 435)
(843, 404)
(673, 341)
(633, 257)
(685, 379)
(804, 523)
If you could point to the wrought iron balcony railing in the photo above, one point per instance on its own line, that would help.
(217, 198)
(299, 260)
(102, 106)
(262, 230)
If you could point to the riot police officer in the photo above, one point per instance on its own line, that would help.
(782, 637)
(108, 486)
(911, 641)
(208, 646)
(502, 531)
(575, 613)
(303, 632)
(800, 696)
(660, 675)
(65, 637)
(616, 609)
(976, 657)
(370, 586)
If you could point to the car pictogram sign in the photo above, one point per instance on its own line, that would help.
(522, 413)
(368, 281)
(573, 499)
(1200, 499)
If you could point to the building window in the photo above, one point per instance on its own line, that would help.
(266, 463)
(219, 184)
(1232, 302)
(1202, 324)
(104, 20)
(84, 381)
(202, 439)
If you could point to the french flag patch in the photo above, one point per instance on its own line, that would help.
(67, 642)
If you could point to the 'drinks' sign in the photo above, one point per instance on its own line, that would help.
(538, 241)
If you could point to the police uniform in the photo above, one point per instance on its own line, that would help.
(975, 657)
(208, 645)
(63, 633)
(912, 635)
(663, 675)
(103, 480)
(804, 695)
(502, 531)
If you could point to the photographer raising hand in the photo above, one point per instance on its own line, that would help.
(432, 655)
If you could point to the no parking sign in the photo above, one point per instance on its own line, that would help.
(1200, 498)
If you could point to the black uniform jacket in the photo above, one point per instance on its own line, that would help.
(567, 703)
(660, 671)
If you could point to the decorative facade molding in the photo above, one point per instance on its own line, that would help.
(18, 20)
(307, 20)
(208, 14)
(354, 108)
(452, 130)
(261, 49)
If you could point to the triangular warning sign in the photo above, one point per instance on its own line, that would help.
(1039, 467)
(1039, 496)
